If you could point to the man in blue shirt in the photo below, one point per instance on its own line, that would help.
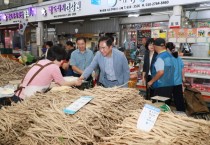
(81, 57)
(162, 71)
(114, 69)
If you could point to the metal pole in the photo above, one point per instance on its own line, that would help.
(21, 42)
(41, 26)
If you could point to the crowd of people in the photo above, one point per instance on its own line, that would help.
(58, 61)
(163, 72)
(162, 69)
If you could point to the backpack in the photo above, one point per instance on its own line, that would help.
(194, 101)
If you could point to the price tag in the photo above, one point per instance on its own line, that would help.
(78, 104)
(148, 118)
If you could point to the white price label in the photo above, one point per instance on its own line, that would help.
(147, 118)
(78, 104)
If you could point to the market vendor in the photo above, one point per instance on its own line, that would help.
(114, 69)
(40, 76)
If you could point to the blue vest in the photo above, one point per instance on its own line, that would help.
(168, 78)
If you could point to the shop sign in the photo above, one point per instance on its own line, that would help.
(142, 26)
(24, 14)
(157, 33)
(66, 7)
(96, 2)
(175, 21)
(203, 24)
(60, 10)
(108, 6)
(76, 8)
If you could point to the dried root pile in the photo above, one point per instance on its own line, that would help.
(109, 119)
(40, 119)
(169, 129)
(11, 70)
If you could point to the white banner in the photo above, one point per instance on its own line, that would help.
(77, 8)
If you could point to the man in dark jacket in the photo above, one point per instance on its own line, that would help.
(66, 66)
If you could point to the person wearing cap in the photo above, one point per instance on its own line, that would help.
(178, 78)
(162, 71)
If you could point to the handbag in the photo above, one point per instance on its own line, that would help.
(194, 101)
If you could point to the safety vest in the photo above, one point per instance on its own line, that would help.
(168, 78)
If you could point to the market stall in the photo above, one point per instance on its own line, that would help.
(11, 70)
(109, 118)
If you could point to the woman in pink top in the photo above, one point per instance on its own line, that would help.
(40, 76)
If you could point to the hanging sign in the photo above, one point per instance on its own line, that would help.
(172, 35)
(155, 33)
(182, 35)
(175, 21)
(202, 34)
(16, 16)
(191, 35)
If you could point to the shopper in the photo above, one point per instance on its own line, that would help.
(40, 76)
(178, 78)
(149, 60)
(114, 69)
(48, 45)
(162, 71)
(44, 49)
(66, 66)
(142, 49)
(81, 58)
